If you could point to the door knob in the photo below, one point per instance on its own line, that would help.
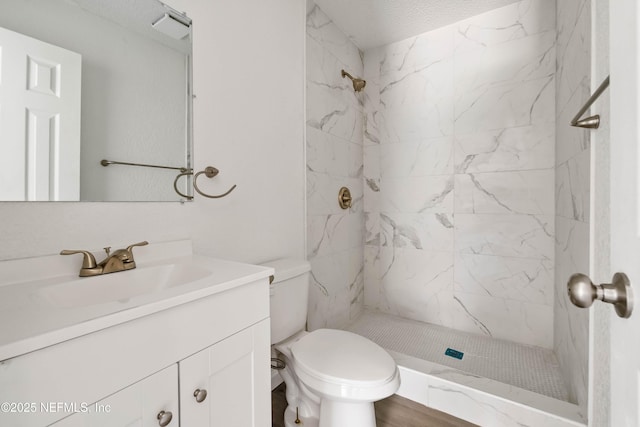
(582, 292)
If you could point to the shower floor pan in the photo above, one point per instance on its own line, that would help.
(496, 383)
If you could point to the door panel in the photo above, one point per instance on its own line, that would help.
(624, 205)
(235, 374)
(39, 120)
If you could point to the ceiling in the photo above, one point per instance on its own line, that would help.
(372, 23)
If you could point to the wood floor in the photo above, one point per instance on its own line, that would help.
(394, 411)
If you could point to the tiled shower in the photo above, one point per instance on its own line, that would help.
(471, 193)
(465, 176)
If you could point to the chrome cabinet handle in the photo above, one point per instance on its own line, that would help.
(164, 418)
(200, 395)
(582, 292)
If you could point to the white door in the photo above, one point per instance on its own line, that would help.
(39, 120)
(624, 207)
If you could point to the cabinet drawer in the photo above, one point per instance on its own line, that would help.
(137, 405)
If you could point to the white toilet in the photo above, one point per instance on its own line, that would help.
(332, 376)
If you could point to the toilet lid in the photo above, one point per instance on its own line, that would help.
(343, 357)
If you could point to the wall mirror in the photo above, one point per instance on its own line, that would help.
(82, 81)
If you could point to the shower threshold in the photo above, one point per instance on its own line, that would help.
(496, 383)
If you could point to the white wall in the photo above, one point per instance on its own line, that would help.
(249, 123)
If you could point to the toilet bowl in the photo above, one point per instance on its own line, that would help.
(332, 376)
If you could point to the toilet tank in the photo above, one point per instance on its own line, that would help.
(288, 296)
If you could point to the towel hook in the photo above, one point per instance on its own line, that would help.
(591, 122)
(209, 172)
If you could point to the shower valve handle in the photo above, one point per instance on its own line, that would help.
(582, 292)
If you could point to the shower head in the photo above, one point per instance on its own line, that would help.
(358, 84)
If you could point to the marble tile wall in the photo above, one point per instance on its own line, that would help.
(573, 88)
(334, 158)
(459, 174)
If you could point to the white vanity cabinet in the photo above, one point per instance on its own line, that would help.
(214, 338)
(150, 402)
(223, 386)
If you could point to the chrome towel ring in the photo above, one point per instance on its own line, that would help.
(209, 172)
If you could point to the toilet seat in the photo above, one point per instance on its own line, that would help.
(344, 365)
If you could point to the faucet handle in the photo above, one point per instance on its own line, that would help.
(145, 243)
(88, 261)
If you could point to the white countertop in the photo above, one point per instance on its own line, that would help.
(30, 322)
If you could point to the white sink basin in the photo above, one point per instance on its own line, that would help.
(45, 303)
(121, 286)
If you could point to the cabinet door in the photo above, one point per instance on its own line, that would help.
(135, 406)
(236, 377)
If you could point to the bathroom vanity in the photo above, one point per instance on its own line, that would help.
(189, 346)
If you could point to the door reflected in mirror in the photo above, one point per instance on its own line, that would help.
(87, 80)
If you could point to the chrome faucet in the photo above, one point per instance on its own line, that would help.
(119, 260)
